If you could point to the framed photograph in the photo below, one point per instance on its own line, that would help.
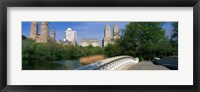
(74, 45)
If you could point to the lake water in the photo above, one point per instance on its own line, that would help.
(50, 65)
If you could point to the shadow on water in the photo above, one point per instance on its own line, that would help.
(50, 64)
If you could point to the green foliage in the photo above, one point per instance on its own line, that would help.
(175, 31)
(146, 40)
(42, 50)
(174, 38)
(112, 50)
(32, 50)
(90, 50)
(28, 48)
(71, 52)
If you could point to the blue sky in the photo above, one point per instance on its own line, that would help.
(84, 29)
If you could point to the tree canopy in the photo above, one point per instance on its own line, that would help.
(146, 40)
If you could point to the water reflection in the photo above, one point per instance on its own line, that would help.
(50, 64)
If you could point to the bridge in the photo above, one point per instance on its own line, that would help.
(114, 63)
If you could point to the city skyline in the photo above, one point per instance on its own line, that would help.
(85, 30)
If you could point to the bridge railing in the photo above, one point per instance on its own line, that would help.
(114, 63)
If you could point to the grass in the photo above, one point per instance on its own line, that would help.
(91, 59)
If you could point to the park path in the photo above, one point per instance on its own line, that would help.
(146, 65)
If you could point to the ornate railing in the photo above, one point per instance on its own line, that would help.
(114, 63)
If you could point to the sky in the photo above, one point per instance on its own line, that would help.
(84, 29)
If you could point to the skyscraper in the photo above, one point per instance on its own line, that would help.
(52, 35)
(115, 32)
(44, 32)
(107, 37)
(34, 30)
(70, 36)
(44, 36)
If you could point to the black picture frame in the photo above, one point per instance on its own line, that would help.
(99, 3)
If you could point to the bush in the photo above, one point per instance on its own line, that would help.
(32, 50)
(28, 48)
(112, 50)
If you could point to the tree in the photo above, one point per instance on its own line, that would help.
(174, 36)
(42, 51)
(28, 49)
(174, 39)
(142, 39)
(112, 50)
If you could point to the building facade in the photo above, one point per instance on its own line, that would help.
(115, 32)
(44, 30)
(44, 33)
(88, 42)
(52, 35)
(108, 39)
(70, 36)
(34, 30)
